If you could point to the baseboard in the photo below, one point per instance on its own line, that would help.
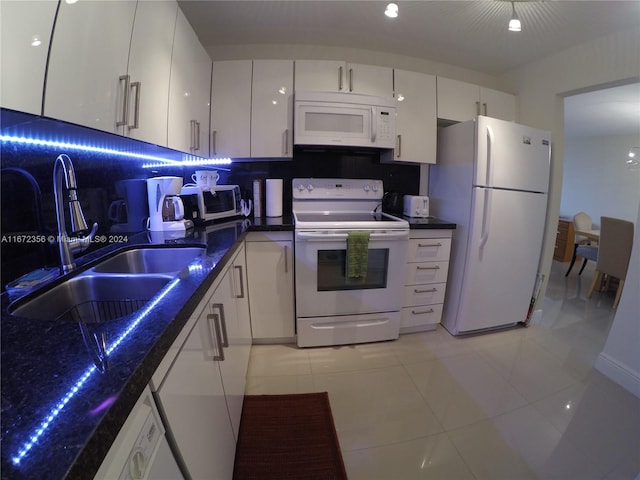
(619, 373)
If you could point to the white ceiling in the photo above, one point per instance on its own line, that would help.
(469, 34)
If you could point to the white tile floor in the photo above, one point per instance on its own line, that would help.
(519, 404)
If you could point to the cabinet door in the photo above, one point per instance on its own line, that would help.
(320, 75)
(190, 92)
(23, 25)
(457, 101)
(369, 80)
(192, 397)
(89, 54)
(498, 104)
(150, 70)
(416, 128)
(272, 109)
(270, 265)
(231, 109)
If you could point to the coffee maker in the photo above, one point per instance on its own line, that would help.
(131, 210)
(166, 210)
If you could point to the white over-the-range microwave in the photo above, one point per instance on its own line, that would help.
(344, 119)
(204, 204)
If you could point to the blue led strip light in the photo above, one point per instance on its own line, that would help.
(54, 412)
(188, 160)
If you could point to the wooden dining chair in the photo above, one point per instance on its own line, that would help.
(614, 251)
(581, 221)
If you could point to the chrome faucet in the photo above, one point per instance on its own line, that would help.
(63, 171)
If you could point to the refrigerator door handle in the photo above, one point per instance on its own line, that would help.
(490, 141)
(486, 218)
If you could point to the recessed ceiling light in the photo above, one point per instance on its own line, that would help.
(392, 10)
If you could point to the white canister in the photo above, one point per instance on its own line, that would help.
(274, 197)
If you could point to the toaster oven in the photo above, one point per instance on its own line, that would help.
(205, 204)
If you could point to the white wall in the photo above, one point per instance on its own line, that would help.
(541, 86)
(596, 179)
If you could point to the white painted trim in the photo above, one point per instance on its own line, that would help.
(619, 373)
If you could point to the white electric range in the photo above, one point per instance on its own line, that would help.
(334, 306)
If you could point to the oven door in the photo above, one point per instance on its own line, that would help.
(323, 287)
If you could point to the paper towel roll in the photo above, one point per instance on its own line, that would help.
(274, 197)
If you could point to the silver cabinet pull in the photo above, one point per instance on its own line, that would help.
(223, 323)
(125, 101)
(192, 132)
(213, 321)
(399, 146)
(286, 142)
(477, 108)
(241, 277)
(484, 105)
(435, 267)
(197, 135)
(418, 312)
(340, 78)
(425, 245)
(136, 108)
(430, 290)
(351, 79)
(286, 259)
(213, 143)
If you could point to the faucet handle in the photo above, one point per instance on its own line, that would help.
(79, 244)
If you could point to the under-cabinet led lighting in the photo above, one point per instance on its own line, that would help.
(33, 438)
(187, 160)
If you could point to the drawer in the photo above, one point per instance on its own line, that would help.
(426, 272)
(421, 316)
(429, 294)
(429, 249)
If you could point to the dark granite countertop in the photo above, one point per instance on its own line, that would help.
(60, 414)
(429, 223)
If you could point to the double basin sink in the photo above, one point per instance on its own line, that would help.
(114, 287)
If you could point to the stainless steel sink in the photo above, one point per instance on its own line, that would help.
(149, 260)
(93, 298)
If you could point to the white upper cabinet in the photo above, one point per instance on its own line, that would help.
(461, 101)
(190, 91)
(272, 109)
(415, 95)
(25, 32)
(150, 70)
(231, 109)
(89, 54)
(336, 76)
(109, 67)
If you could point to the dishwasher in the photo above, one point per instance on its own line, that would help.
(140, 451)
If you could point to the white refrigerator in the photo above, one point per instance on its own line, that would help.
(491, 178)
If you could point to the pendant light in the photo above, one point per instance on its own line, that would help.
(514, 23)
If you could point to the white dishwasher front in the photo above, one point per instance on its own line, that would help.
(141, 451)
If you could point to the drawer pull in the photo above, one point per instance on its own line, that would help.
(424, 245)
(418, 312)
(430, 290)
(435, 267)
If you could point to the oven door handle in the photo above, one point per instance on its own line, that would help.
(331, 237)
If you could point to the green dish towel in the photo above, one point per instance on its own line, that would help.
(357, 254)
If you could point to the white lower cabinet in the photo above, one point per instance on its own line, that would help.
(271, 290)
(199, 386)
(425, 279)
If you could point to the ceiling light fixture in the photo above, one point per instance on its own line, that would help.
(633, 162)
(514, 23)
(392, 10)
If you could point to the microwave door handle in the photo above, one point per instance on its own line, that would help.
(374, 125)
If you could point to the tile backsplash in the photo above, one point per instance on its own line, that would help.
(27, 178)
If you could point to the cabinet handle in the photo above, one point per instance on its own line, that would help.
(192, 133)
(136, 109)
(223, 323)
(430, 290)
(286, 142)
(340, 78)
(351, 79)
(213, 143)
(125, 100)
(424, 245)
(239, 268)
(417, 312)
(215, 337)
(435, 267)
(197, 135)
(484, 105)
(286, 259)
(399, 146)
(477, 108)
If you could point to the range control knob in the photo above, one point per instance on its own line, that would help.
(366, 188)
(310, 187)
(300, 187)
(374, 187)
